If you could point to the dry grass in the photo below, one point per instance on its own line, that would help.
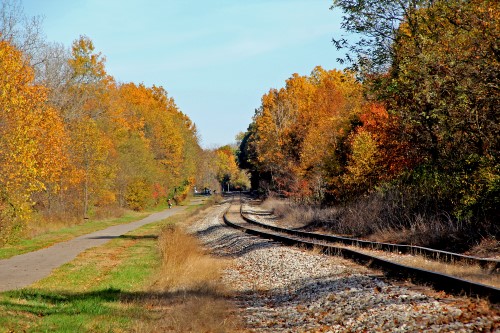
(374, 220)
(188, 313)
(276, 206)
(383, 218)
(191, 297)
(185, 266)
(458, 269)
(35, 229)
(489, 247)
(288, 213)
(63, 219)
(467, 272)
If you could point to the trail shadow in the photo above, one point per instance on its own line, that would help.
(125, 237)
(139, 236)
(299, 293)
(41, 303)
(45, 303)
(103, 237)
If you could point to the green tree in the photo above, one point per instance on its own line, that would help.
(435, 65)
(375, 23)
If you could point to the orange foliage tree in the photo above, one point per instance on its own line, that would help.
(32, 140)
(92, 145)
(297, 136)
(130, 143)
(157, 143)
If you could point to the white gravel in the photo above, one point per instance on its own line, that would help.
(284, 289)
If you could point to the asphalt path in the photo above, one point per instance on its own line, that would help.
(22, 270)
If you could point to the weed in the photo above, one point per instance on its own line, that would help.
(383, 217)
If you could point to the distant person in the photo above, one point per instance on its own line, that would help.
(169, 203)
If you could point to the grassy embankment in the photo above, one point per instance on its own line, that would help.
(56, 235)
(155, 278)
(54, 232)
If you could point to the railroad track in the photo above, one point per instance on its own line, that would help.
(324, 244)
(492, 265)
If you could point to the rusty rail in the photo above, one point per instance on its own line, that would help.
(438, 281)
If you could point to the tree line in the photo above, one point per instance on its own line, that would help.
(75, 143)
(414, 119)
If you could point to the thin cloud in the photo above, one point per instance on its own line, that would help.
(239, 49)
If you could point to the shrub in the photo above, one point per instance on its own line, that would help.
(138, 194)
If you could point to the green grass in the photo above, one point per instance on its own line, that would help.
(93, 293)
(50, 238)
(46, 311)
(103, 290)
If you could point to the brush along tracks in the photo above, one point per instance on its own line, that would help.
(491, 265)
(325, 245)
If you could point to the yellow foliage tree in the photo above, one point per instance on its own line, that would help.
(32, 139)
(362, 163)
(227, 169)
(90, 154)
(299, 130)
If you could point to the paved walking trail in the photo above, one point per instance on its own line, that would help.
(22, 270)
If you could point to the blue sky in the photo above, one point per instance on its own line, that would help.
(215, 58)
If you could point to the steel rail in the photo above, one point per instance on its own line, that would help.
(492, 265)
(447, 283)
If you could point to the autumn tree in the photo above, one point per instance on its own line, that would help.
(337, 104)
(396, 154)
(246, 156)
(32, 140)
(23, 32)
(444, 86)
(375, 23)
(90, 179)
(90, 150)
(163, 140)
(88, 81)
(296, 142)
(227, 169)
(279, 125)
(73, 141)
(434, 65)
(136, 169)
(361, 174)
(218, 170)
(130, 144)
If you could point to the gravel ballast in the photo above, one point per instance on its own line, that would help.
(287, 289)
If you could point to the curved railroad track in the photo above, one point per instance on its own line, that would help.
(492, 265)
(324, 243)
